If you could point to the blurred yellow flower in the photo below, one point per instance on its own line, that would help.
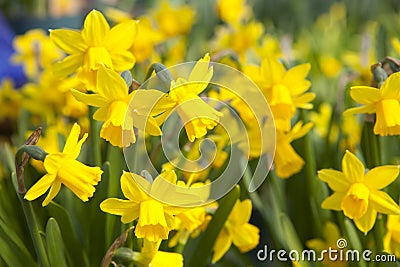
(147, 38)
(237, 230)
(35, 52)
(358, 194)
(63, 168)
(10, 100)
(155, 218)
(396, 44)
(330, 66)
(331, 235)
(240, 38)
(233, 11)
(96, 45)
(287, 161)
(351, 130)
(50, 96)
(283, 89)
(384, 102)
(174, 21)
(119, 110)
(391, 241)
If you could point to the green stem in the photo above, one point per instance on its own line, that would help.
(34, 230)
(94, 139)
(373, 159)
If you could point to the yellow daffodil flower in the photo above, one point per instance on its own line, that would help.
(119, 110)
(384, 102)
(237, 230)
(197, 115)
(331, 235)
(150, 256)
(233, 11)
(284, 90)
(391, 241)
(287, 161)
(63, 168)
(147, 38)
(359, 195)
(51, 95)
(94, 46)
(35, 52)
(155, 218)
(240, 38)
(174, 21)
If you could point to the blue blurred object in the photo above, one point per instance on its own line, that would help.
(7, 69)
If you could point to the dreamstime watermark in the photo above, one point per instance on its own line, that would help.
(339, 253)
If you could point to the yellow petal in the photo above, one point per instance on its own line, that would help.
(221, 246)
(125, 208)
(131, 189)
(365, 94)
(241, 212)
(72, 146)
(111, 85)
(151, 102)
(202, 74)
(358, 110)
(40, 187)
(52, 162)
(69, 41)
(121, 36)
(272, 70)
(391, 87)
(122, 60)
(101, 114)
(383, 203)
(54, 189)
(94, 100)
(68, 65)
(333, 202)
(95, 28)
(246, 237)
(303, 100)
(335, 179)
(295, 79)
(381, 176)
(352, 167)
(366, 222)
(147, 124)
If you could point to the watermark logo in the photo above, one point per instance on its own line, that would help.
(332, 254)
(218, 100)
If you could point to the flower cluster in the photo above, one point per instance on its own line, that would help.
(139, 159)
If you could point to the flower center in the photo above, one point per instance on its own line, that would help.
(355, 203)
(95, 57)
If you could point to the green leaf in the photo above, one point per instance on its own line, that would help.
(74, 250)
(197, 252)
(292, 239)
(354, 240)
(12, 249)
(55, 244)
